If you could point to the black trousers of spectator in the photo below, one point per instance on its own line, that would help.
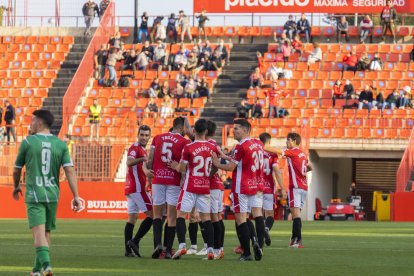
(349, 68)
(242, 115)
(334, 97)
(340, 33)
(172, 29)
(257, 114)
(128, 67)
(388, 26)
(10, 129)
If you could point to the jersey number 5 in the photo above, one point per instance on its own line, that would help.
(166, 153)
(203, 168)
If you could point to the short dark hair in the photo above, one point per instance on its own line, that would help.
(211, 127)
(144, 128)
(244, 123)
(178, 122)
(295, 137)
(46, 116)
(264, 137)
(200, 126)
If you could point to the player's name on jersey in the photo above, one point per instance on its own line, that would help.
(45, 181)
(255, 146)
(200, 149)
(170, 137)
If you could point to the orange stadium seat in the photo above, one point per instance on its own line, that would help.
(267, 31)
(230, 31)
(328, 31)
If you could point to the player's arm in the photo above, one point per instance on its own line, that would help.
(71, 177)
(179, 167)
(273, 150)
(150, 161)
(17, 172)
(187, 128)
(278, 179)
(134, 161)
(213, 171)
(225, 167)
(309, 174)
(148, 172)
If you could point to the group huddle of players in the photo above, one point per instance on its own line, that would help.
(182, 176)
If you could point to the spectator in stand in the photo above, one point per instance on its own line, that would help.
(190, 89)
(192, 61)
(224, 54)
(130, 62)
(165, 91)
(203, 89)
(376, 63)
(148, 49)
(161, 55)
(151, 107)
(274, 72)
(350, 62)
(207, 48)
(10, 120)
(256, 79)
(115, 41)
(95, 119)
(2, 10)
(388, 17)
(100, 60)
(143, 60)
(154, 28)
(89, 10)
(342, 29)
(338, 93)
(378, 103)
(243, 109)
(304, 27)
(184, 23)
(204, 63)
(180, 60)
(166, 107)
(412, 54)
(114, 56)
(216, 61)
(202, 19)
(363, 62)
(257, 109)
(260, 62)
(155, 88)
(286, 51)
(366, 98)
(366, 28)
(297, 45)
(281, 41)
(349, 91)
(143, 28)
(171, 28)
(315, 55)
(290, 27)
(181, 77)
(161, 33)
(272, 97)
(391, 101)
(405, 98)
(102, 7)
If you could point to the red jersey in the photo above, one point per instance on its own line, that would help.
(215, 181)
(274, 96)
(298, 167)
(197, 156)
(248, 155)
(167, 146)
(135, 179)
(270, 161)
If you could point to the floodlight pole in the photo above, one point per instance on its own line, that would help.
(136, 22)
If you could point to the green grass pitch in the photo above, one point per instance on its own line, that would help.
(85, 247)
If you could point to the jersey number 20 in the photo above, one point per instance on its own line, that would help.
(203, 168)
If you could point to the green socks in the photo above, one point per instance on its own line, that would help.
(37, 265)
(42, 255)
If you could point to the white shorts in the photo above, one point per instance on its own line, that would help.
(268, 202)
(216, 198)
(187, 201)
(245, 203)
(139, 202)
(297, 198)
(162, 194)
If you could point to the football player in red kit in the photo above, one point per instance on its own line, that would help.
(138, 199)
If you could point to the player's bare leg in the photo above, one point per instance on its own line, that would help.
(269, 221)
(296, 240)
(133, 243)
(41, 243)
(260, 230)
(157, 229)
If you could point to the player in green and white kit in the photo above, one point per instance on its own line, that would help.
(43, 154)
